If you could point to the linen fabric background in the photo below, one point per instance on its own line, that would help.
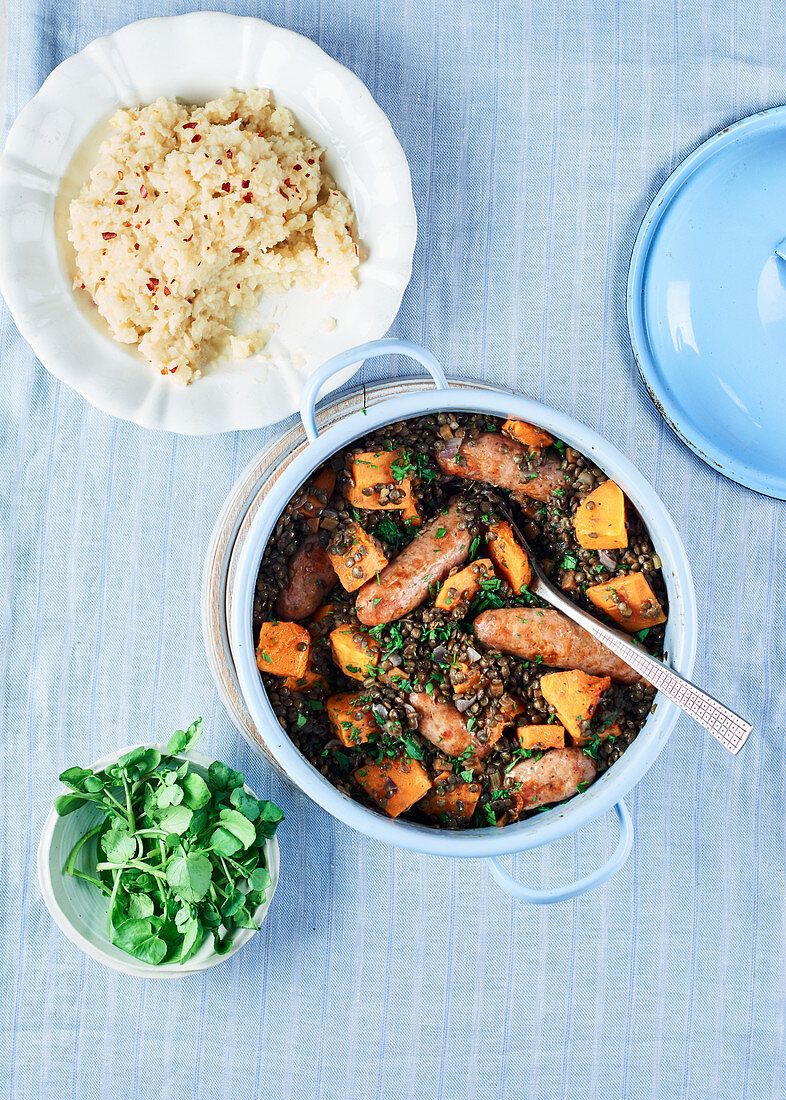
(537, 134)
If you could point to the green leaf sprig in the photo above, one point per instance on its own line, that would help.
(179, 855)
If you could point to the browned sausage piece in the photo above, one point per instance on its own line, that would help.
(404, 584)
(555, 776)
(494, 458)
(530, 632)
(442, 725)
(311, 576)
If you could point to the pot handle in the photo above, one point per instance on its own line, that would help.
(572, 889)
(317, 380)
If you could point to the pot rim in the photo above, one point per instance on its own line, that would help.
(681, 633)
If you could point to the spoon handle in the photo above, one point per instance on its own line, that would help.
(724, 725)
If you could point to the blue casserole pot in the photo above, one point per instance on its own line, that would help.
(606, 793)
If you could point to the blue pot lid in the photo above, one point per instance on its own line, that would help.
(707, 302)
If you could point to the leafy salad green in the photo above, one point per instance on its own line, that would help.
(180, 855)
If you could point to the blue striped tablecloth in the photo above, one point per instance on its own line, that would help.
(537, 133)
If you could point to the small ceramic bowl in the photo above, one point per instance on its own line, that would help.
(80, 910)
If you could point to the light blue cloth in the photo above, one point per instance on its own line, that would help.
(537, 134)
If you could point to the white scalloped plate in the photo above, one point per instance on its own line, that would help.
(194, 58)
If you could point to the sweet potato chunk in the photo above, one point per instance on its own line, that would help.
(610, 733)
(528, 434)
(320, 489)
(283, 649)
(600, 519)
(395, 785)
(373, 484)
(542, 737)
(464, 677)
(351, 718)
(509, 708)
(356, 556)
(462, 587)
(322, 612)
(509, 559)
(574, 696)
(354, 657)
(309, 681)
(629, 601)
(462, 801)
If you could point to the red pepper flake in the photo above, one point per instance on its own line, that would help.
(172, 370)
(226, 187)
(239, 249)
(147, 222)
(82, 286)
(311, 162)
(189, 126)
(248, 197)
(147, 167)
(143, 191)
(119, 175)
(155, 309)
(229, 154)
(121, 192)
(152, 283)
(120, 202)
(189, 238)
(177, 222)
(109, 236)
(218, 161)
(245, 183)
(167, 292)
(136, 208)
(296, 167)
(141, 133)
(287, 182)
(136, 248)
(195, 138)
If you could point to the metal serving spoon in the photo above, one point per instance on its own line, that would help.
(726, 726)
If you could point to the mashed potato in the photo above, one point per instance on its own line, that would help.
(192, 212)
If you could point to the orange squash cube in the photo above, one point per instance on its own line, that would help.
(510, 706)
(309, 681)
(462, 801)
(371, 470)
(629, 601)
(356, 556)
(395, 785)
(355, 658)
(509, 558)
(575, 696)
(284, 649)
(528, 434)
(600, 519)
(542, 737)
(320, 489)
(463, 586)
(351, 718)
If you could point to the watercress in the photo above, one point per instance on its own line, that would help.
(179, 855)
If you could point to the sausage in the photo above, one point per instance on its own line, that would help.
(442, 725)
(552, 778)
(494, 458)
(404, 584)
(311, 576)
(529, 633)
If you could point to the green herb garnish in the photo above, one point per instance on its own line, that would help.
(180, 853)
